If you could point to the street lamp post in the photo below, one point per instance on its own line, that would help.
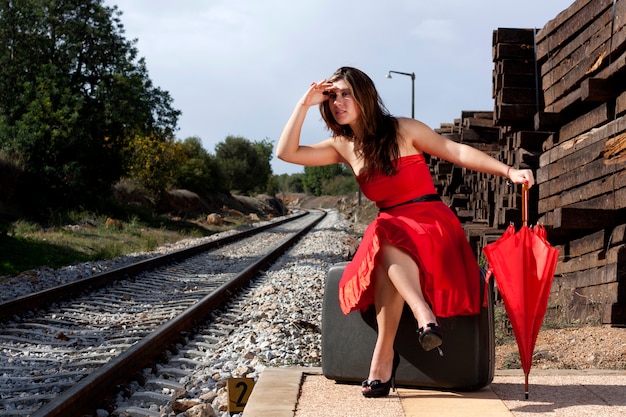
(412, 75)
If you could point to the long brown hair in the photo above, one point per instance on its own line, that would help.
(379, 142)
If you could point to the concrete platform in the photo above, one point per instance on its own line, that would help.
(305, 392)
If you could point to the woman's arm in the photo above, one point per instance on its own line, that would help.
(429, 141)
(289, 149)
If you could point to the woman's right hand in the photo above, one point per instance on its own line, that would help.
(317, 93)
(288, 147)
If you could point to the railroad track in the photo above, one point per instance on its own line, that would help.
(64, 360)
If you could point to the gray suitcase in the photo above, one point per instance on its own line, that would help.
(468, 360)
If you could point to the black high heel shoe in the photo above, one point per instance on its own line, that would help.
(431, 337)
(377, 388)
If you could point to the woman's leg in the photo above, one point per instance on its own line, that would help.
(404, 274)
(396, 282)
(389, 305)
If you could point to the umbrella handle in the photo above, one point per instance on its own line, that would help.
(525, 204)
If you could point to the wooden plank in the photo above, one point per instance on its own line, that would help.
(614, 199)
(586, 244)
(616, 67)
(473, 122)
(620, 12)
(568, 147)
(549, 28)
(605, 294)
(597, 90)
(547, 121)
(569, 55)
(596, 117)
(456, 137)
(513, 35)
(577, 18)
(515, 66)
(531, 140)
(567, 78)
(582, 219)
(615, 313)
(571, 161)
(549, 143)
(600, 297)
(620, 104)
(615, 149)
(588, 172)
(560, 76)
(617, 44)
(618, 235)
(507, 114)
(580, 263)
(513, 50)
(548, 205)
(565, 102)
(514, 81)
(516, 96)
(480, 138)
(605, 263)
(442, 167)
(601, 194)
(477, 114)
(546, 218)
(525, 158)
(444, 128)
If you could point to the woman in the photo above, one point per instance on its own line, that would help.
(415, 251)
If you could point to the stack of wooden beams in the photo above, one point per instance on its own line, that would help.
(470, 194)
(514, 81)
(581, 56)
(516, 101)
(562, 113)
(582, 166)
(559, 109)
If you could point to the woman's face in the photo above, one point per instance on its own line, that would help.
(342, 104)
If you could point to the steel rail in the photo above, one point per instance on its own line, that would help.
(48, 296)
(90, 391)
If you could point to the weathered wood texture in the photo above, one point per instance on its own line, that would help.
(560, 109)
(586, 41)
(581, 177)
(467, 192)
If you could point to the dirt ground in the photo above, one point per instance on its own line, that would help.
(589, 347)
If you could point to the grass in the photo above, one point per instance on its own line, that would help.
(81, 237)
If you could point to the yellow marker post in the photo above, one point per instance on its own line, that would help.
(239, 390)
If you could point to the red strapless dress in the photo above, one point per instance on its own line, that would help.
(429, 231)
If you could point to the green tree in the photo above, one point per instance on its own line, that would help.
(198, 170)
(73, 96)
(154, 162)
(322, 180)
(10, 174)
(340, 185)
(289, 183)
(246, 165)
(265, 150)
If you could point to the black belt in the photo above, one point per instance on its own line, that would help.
(421, 199)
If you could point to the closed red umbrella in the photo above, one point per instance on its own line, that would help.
(523, 264)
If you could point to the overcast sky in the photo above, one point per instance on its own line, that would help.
(238, 67)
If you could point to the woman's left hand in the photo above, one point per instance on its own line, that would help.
(521, 176)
